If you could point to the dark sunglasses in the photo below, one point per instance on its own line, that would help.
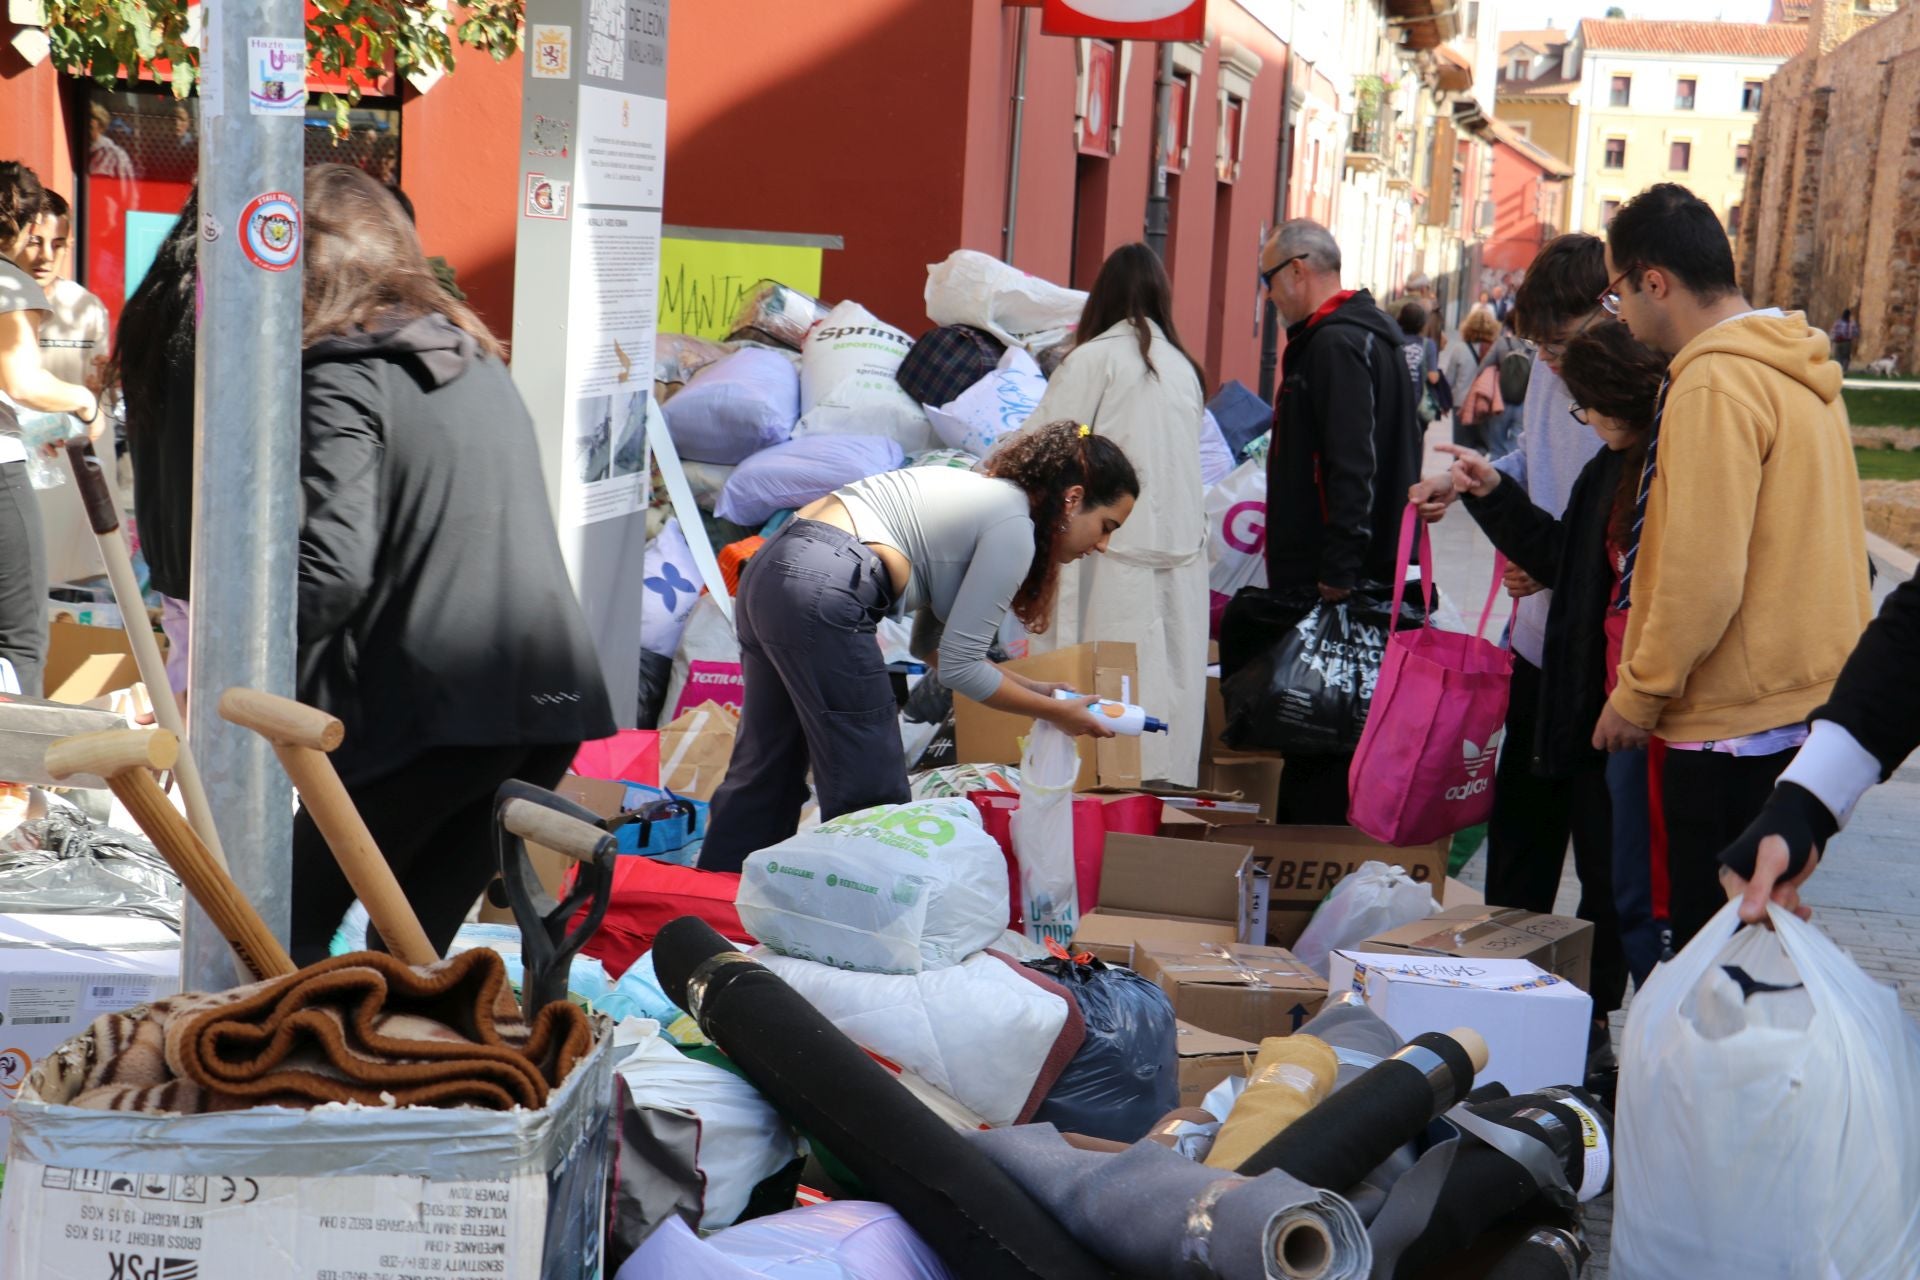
(1266, 277)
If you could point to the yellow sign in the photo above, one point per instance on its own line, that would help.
(703, 281)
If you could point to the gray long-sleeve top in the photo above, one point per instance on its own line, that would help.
(969, 540)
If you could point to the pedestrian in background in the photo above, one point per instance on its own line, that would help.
(1346, 446)
(1460, 364)
(1846, 332)
(1130, 379)
(436, 618)
(1746, 568)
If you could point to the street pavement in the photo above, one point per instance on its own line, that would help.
(1866, 894)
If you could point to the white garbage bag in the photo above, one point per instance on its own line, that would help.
(997, 405)
(1767, 1134)
(1216, 455)
(706, 637)
(1043, 834)
(743, 1140)
(892, 889)
(1236, 534)
(735, 407)
(840, 1240)
(670, 587)
(1372, 900)
(849, 381)
(1019, 309)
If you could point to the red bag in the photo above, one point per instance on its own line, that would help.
(1093, 818)
(646, 895)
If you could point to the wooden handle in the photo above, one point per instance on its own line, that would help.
(282, 721)
(1474, 1043)
(564, 835)
(113, 753)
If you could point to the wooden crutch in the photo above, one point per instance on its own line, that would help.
(126, 759)
(103, 513)
(302, 736)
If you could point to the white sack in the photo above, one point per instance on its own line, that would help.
(997, 405)
(706, 480)
(743, 1140)
(1216, 455)
(977, 1031)
(1043, 834)
(1768, 1135)
(670, 587)
(793, 474)
(1019, 309)
(706, 637)
(892, 889)
(1237, 533)
(1364, 905)
(839, 1240)
(735, 407)
(849, 381)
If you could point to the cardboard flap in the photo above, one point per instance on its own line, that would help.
(1197, 1042)
(1179, 879)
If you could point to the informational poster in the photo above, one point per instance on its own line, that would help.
(703, 281)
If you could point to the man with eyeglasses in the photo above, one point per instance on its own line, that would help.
(1746, 567)
(1346, 444)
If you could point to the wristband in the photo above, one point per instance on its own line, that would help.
(1795, 815)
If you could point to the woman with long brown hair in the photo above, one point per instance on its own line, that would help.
(1129, 377)
(435, 614)
(957, 550)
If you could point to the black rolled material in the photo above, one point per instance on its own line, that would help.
(980, 1222)
(1340, 1141)
(1544, 1253)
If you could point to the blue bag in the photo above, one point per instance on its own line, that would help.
(660, 825)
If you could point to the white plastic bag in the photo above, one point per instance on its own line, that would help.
(892, 889)
(1374, 899)
(670, 587)
(706, 479)
(1236, 534)
(1019, 309)
(849, 371)
(1216, 455)
(705, 637)
(1752, 1147)
(840, 1240)
(997, 405)
(743, 1140)
(1043, 834)
(735, 407)
(977, 1031)
(793, 474)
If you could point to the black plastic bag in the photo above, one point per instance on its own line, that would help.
(1297, 673)
(656, 672)
(1127, 1073)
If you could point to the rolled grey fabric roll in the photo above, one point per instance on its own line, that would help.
(1151, 1211)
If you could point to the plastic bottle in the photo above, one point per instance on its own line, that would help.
(1121, 717)
(37, 431)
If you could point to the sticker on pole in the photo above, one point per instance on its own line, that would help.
(276, 76)
(547, 198)
(552, 52)
(270, 231)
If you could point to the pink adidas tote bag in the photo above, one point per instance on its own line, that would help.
(1424, 767)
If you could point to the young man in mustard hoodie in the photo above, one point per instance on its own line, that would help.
(1747, 569)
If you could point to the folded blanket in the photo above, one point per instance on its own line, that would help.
(362, 1028)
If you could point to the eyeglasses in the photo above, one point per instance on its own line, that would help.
(1266, 277)
(1553, 351)
(1610, 297)
(1579, 413)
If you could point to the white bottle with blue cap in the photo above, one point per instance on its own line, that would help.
(1121, 717)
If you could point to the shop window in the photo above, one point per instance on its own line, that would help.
(1622, 91)
(1616, 153)
(1742, 153)
(1178, 114)
(1680, 156)
(1100, 102)
(1233, 119)
(1683, 94)
(143, 152)
(1750, 95)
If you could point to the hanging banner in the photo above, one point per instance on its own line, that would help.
(1126, 19)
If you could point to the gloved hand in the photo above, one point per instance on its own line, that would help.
(1795, 815)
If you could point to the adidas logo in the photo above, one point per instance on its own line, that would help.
(1476, 758)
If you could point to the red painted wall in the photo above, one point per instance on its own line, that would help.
(1518, 233)
(33, 117)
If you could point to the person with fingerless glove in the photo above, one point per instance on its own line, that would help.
(1866, 728)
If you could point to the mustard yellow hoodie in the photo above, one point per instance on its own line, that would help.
(1751, 584)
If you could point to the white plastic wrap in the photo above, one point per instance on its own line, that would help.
(1772, 1134)
(1216, 455)
(1043, 834)
(844, 1240)
(706, 636)
(977, 1031)
(1019, 309)
(997, 405)
(1370, 901)
(735, 407)
(743, 1140)
(849, 386)
(791, 475)
(892, 889)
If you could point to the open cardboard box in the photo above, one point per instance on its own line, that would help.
(1305, 863)
(1562, 945)
(1110, 669)
(1173, 891)
(1207, 1058)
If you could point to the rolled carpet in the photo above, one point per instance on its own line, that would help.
(1290, 1075)
(1149, 1211)
(979, 1220)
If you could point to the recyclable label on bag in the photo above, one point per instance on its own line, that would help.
(112, 1224)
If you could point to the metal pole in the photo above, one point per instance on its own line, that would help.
(247, 441)
(1159, 217)
(1013, 144)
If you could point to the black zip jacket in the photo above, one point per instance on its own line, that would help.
(435, 609)
(1346, 448)
(1569, 557)
(1877, 697)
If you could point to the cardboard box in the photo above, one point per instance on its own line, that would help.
(1177, 892)
(1110, 669)
(1207, 1058)
(1535, 1024)
(1461, 894)
(1237, 990)
(604, 798)
(1253, 778)
(83, 663)
(1306, 862)
(1561, 945)
(60, 972)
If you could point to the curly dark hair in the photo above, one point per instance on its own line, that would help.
(1046, 462)
(21, 198)
(1609, 373)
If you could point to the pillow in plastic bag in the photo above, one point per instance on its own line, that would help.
(793, 474)
(735, 407)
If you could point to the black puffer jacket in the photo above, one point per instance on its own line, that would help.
(1569, 557)
(435, 609)
(1346, 448)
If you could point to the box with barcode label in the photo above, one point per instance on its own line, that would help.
(59, 972)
